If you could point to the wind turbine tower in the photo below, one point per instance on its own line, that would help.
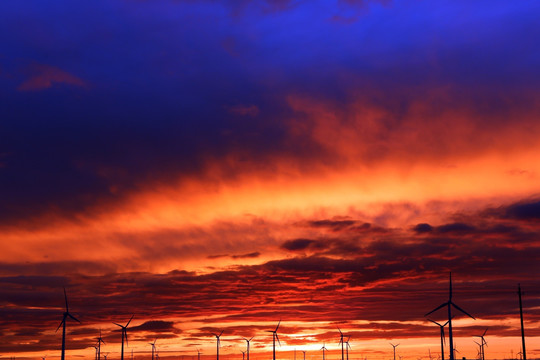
(99, 342)
(348, 346)
(124, 335)
(218, 342)
(247, 350)
(483, 342)
(394, 346)
(153, 348)
(342, 344)
(63, 324)
(449, 305)
(323, 349)
(443, 340)
(274, 337)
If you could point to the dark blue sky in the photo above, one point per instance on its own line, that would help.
(147, 87)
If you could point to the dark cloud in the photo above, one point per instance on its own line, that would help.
(156, 326)
(423, 228)
(247, 256)
(524, 211)
(297, 244)
(455, 228)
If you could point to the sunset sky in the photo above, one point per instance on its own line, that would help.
(221, 165)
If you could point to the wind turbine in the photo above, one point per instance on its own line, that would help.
(124, 335)
(243, 354)
(342, 344)
(348, 346)
(449, 305)
(217, 343)
(247, 340)
(443, 340)
(479, 354)
(274, 336)
(394, 346)
(95, 354)
(153, 348)
(484, 342)
(63, 324)
(455, 350)
(304, 351)
(99, 341)
(198, 354)
(323, 349)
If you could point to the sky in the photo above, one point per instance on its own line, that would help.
(208, 166)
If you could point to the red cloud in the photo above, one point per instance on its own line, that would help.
(45, 76)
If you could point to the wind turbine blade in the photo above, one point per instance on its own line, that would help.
(71, 316)
(463, 311)
(221, 332)
(65, 298)
(129, 320)
(277, 337)
(125, 337)
(435, 322)
(437, 308)
(118, 325)
(64, 319)
(484, 334)
(251, 338)
(278, 324)
(339, 330)
(443, 337)
(450, 292)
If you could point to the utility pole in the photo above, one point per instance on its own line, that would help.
(522, 330)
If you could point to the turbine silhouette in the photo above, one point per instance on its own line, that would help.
(394, 346)
(63, 324)
(153, 348)
(523, 352)
(304, 351)
(99, 342)
(274, 337)
(323, 349)
(124, 335)
(218, 342)
(248, 340)
(443, 340)
(348, 346)
(449, 305)
(342, 344)
(483, 342)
